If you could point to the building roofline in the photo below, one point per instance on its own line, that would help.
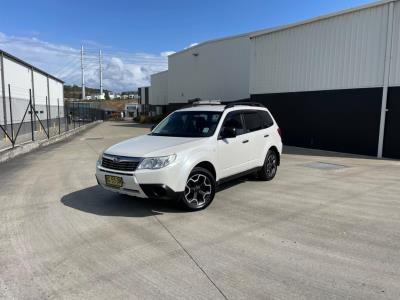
(18, 60)
(320, 18)
(158, 73)
(214, 41)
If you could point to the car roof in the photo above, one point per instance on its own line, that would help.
(204, 108)
(219, 108)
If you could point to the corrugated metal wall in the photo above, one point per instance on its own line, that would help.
(342, 52)
(19, 77)
(214, 70)
(159, 89)
(56, 96)
(1, 98)
(395, 63)
(40, 84)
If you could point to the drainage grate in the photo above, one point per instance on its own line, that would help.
(324, 166)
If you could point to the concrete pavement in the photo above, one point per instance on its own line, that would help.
(309, 234)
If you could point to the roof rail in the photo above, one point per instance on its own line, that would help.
(233, 104)
(198, 102)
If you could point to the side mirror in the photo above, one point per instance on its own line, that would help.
(152, 127)
(228, 132)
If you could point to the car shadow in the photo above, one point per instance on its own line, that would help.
(96, 200)
(229, 184)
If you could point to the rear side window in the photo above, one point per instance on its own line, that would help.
(253, 121)
(234, 120)
(266, 119)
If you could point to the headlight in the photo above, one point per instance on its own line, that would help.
(157, 162)
(99, 160)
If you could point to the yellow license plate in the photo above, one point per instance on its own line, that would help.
(114, 181)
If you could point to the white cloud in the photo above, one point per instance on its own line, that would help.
(122, 71)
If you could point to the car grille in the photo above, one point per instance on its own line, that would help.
(120, 163)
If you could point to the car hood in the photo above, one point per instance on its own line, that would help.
(150, 145)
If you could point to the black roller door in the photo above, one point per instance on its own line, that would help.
(391, 145)
(336, 120)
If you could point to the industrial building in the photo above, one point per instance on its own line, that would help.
(159, 92)
(20, 85)
(327, 80)
(217, 69)
(144, 95)
(332, 82)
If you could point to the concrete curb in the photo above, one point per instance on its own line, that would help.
(8, 154)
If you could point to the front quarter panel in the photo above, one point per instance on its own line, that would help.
(176, 174)
(205, 153)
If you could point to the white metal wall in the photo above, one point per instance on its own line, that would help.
(219, 71)
(40, 84)
(19, 77)
(341, 52)
(159, 89)
(1, 99)
(395, 63)
(56, 90)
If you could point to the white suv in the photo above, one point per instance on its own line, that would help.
(193, 150)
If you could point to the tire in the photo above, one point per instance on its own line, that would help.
(199, 190)
(270, 167)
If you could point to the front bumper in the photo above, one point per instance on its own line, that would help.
(142, 183)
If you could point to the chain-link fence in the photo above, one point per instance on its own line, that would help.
(24, 120)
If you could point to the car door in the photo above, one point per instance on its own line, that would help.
(233, 152)
(257, 136)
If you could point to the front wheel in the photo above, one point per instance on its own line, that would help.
(270, 167)
(199, 190)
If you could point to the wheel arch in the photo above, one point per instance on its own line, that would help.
(208, 166)
(275, 149)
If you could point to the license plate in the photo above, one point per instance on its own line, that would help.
(114, 181)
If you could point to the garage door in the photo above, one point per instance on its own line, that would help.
(392, 130)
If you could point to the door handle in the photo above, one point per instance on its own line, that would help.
(267, 135)
(245, 141)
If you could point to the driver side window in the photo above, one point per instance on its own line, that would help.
(234, 120)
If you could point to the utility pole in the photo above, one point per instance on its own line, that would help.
(101, 72)
(83, 74)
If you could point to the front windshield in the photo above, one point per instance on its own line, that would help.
(188, 124)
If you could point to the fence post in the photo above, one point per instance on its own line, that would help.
(66, 117)
(34, 100)
(30, 107)
(79, 113)
(73, 113)
(47, 117)
(3, 89)
(11, 116)
(59, 119)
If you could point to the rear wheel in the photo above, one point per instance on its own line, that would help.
(199, 190)
(270, 167)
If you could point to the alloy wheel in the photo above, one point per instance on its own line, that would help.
(198, 190)
(271, 164)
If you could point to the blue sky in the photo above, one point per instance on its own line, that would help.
(135, 31)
